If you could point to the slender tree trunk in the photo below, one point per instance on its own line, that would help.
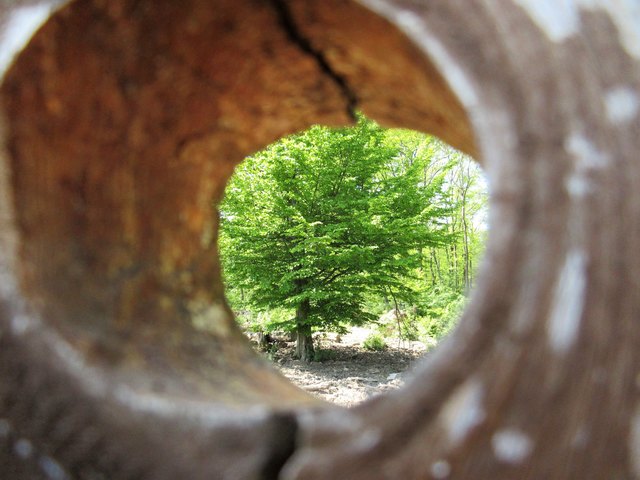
(435, 263)
(453, 266)
(465, 239)
(397, 314)
(304, 342)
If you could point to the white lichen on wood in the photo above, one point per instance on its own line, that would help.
(622, 105)
(560, 19)
(568, 302)
(634, 442)
(625, 14)
(23, 448)
(22, 324)
(210, 317)
(440, 469)
(367, 440)
(52, 469)
(464, 411)
(580, 439)
(511, 445)
(587, 159)
(557, 18)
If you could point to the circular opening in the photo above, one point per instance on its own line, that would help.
(349, 253)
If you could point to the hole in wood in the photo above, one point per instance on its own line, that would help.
(348, 253)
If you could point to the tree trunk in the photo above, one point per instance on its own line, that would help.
(436, 263)
(466, 273)
(264, 341)
(121, 122)
(304, 342)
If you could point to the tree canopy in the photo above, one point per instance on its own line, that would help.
(316, 223)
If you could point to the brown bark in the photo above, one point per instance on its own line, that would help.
(120, 124)
(304, 342)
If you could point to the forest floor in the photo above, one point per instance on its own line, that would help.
(349, 374)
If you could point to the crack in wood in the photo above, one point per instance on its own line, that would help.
(295, 34)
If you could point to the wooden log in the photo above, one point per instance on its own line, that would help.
(122, 121)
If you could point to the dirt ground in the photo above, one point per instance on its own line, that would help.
(349, 374)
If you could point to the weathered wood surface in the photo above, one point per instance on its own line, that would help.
(121, 121)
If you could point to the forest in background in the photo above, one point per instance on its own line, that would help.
(338, 227)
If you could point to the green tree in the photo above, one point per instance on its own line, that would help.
(319, 220)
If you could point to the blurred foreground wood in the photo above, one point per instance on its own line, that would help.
(120, 123)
